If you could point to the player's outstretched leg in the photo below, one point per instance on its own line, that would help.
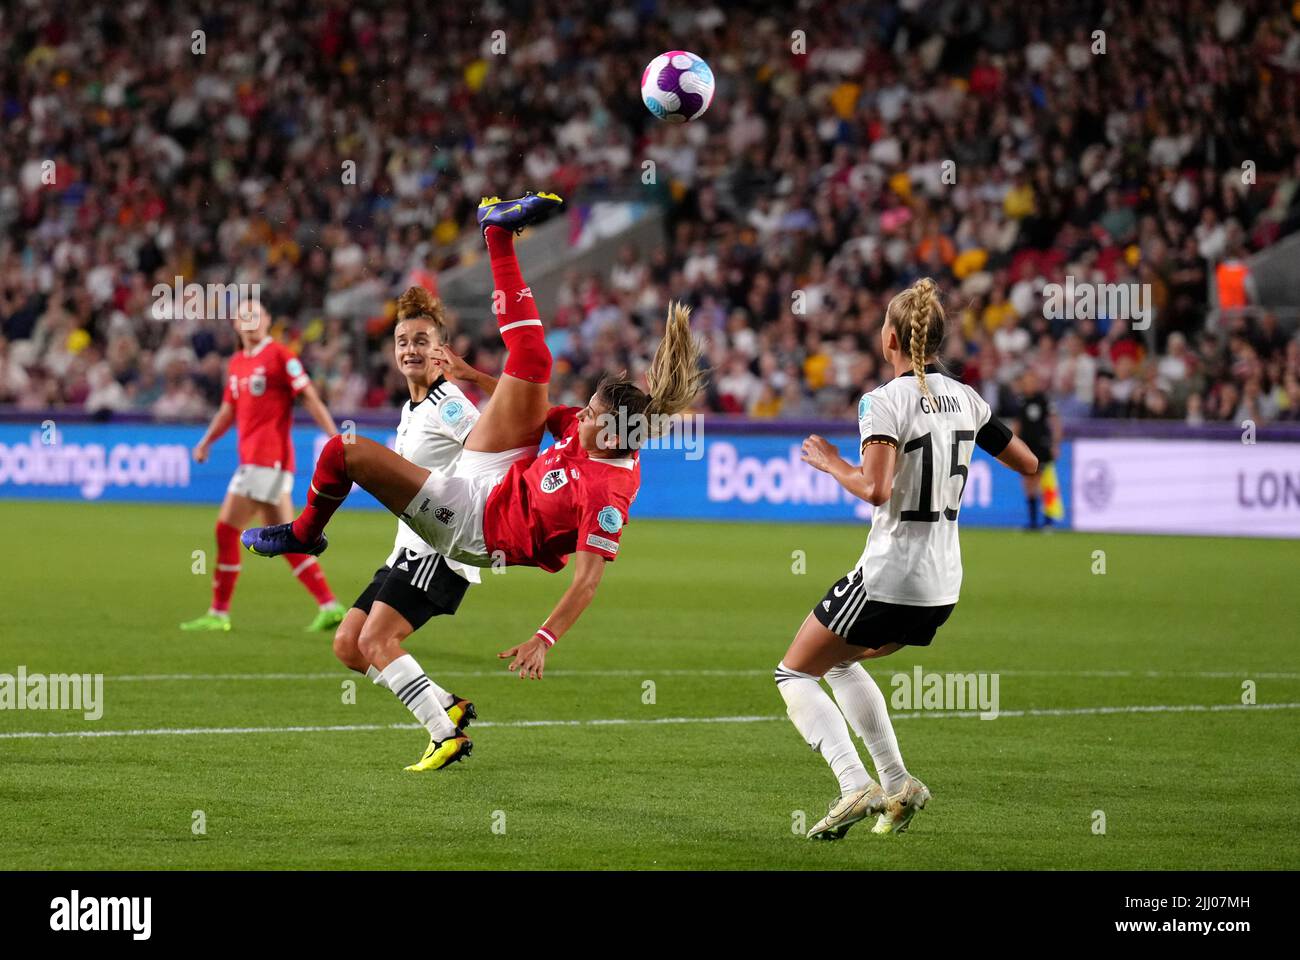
(514, 215)
(814, 653)
(460, 710)
(515, 416)
(428, 703)
(389, 478)
(306, 570)
(347, 649)
(822, 726)
(863, 705)
(443, 714)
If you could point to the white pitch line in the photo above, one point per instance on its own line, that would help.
(649, 672)
(1097, 711)
(337, 728)
(658, 721)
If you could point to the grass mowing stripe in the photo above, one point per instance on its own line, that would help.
(674, 672)
(619, 721)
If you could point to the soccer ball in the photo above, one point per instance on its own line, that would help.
(677, 86)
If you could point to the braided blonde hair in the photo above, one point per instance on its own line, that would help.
(918, 319)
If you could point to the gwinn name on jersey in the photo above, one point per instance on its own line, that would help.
(432, 434)
(913, 555)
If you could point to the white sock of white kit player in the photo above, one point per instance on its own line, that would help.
(821, 724)
(420, 695)
(864, 705)
(376, 676)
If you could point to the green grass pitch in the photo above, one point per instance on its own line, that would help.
(704, 612)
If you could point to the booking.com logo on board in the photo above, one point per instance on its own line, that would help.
(41, 461)
(775, 480)
(738, 477)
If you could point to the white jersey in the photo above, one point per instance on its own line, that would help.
(432, 434)
(912, 554)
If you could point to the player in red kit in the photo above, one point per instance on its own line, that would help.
(502, 502)
(262, 382)
(564, 501)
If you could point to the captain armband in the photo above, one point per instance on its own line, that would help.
(879, 438)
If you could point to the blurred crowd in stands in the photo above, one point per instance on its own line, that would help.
(334, 153)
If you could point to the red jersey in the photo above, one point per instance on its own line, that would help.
(563, 501)
(261, 386)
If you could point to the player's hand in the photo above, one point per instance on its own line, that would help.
(529, 658)
(819, 453)
(201, 453)
(452, 365)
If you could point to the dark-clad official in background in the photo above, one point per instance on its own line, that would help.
(1036, 423)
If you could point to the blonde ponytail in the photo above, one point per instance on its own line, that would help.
(674, 377)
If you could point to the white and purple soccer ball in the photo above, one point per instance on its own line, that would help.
(677, 86)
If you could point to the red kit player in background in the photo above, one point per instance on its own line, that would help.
(263, 379)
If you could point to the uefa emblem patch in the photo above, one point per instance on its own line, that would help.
(610, 520)
(864, 406)
(452, 411)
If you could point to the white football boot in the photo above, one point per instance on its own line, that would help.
(848, 810)
(902, 807)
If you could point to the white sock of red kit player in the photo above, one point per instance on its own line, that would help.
(864, 705)
(424, 698)
(306, 568)
(227, 572)
(821, 724)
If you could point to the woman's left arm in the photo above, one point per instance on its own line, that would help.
(530, 656)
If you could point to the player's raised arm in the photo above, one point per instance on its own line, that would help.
(530, 656)
(872, 482)
(455, 368)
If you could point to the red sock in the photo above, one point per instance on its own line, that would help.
(527, 356)
(227, 572)
(311, 576)
(329, 486)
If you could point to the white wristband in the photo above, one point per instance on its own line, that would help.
(546, 637)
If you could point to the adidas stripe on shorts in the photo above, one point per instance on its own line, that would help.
(846, 612)
(419, 586)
